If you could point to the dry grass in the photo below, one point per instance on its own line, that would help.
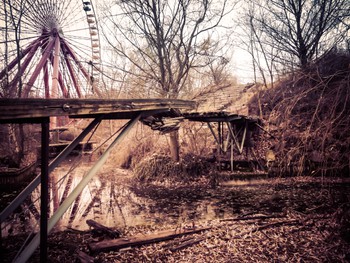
(161, 168)
(308, 114)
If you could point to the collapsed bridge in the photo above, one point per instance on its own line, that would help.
(231, 132)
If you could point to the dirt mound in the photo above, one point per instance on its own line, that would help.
(308, 113)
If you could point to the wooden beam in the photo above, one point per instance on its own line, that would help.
(140, 239)
(11, 109)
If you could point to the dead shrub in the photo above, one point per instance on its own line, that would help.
(140, 142)
(160, 168)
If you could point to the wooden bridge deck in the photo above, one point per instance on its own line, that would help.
(27, 110)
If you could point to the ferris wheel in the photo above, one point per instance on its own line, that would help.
(49, 49)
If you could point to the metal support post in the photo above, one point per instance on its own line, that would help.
(28, 251)
(216, 139)
(30, 188)
(244, 135)
(234, 137)
(44, 197)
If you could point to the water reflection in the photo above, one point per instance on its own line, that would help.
(113, 200)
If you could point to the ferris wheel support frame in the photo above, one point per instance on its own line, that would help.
(38, 67)
(55, 43)
(68, 56)
(56, 60)
(46, 81)
(60, 82)
(14, 62)
(31, 51)
(76, 60)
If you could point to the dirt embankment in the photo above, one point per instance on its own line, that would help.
(308, 113)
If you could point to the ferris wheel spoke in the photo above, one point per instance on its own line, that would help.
(24, 66)
(68, 24)
(83, 53)
(73, 76)
(46, 80)
(16, 41)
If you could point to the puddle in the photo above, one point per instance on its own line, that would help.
(112, 200)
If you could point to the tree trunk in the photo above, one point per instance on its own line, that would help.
(174, 146)
(12, 142)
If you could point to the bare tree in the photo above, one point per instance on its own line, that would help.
(164, 40)
(12, 16)
(304, 29)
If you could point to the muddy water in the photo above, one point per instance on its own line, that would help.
(114, 200)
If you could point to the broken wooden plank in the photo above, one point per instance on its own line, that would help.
(263, 227)
(258, 217)
(85, 258)
(103, 229)
(176, 242)
(276, 224)
(140, 239)
(187, 244)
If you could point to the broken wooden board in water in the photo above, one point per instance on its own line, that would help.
(141, 239)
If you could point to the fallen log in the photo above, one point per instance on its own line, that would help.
(103, 229)
(140, 239)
